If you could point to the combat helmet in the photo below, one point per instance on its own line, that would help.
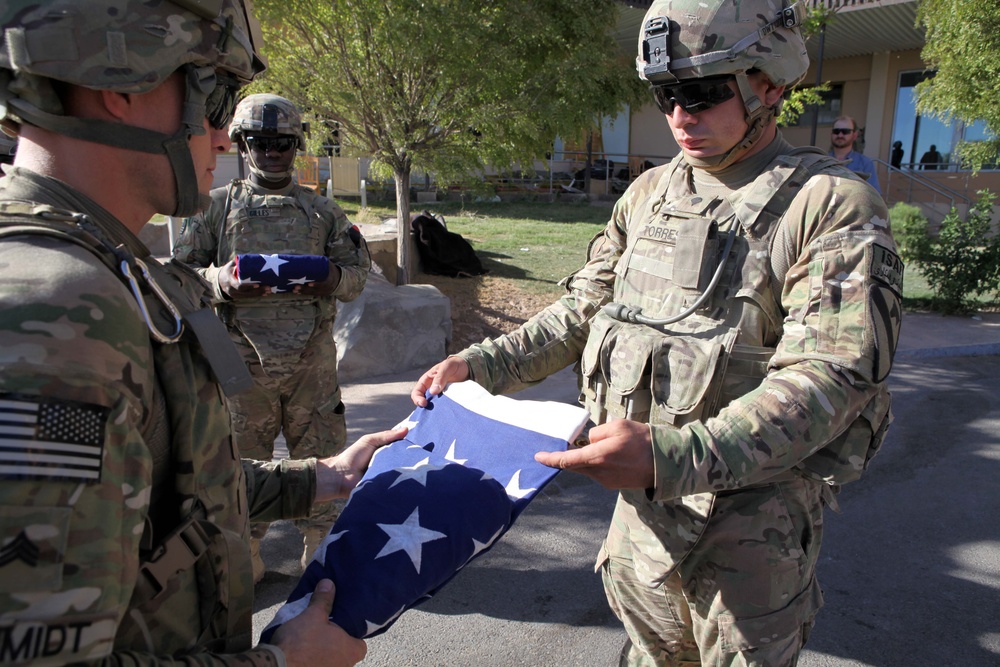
(267, 115)
(681, 40)
(128, 46)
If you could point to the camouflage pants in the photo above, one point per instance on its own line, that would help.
(746, 595)
(304, 404)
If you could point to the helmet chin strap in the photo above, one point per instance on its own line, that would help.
(757, 118)
(269, 176)
(129, 137)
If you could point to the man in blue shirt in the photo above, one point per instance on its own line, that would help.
(843, 136)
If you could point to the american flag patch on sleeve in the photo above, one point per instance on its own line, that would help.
(42, 438)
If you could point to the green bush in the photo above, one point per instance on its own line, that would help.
(963, 261)
(909, 228)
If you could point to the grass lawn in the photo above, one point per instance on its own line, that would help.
(536, 244)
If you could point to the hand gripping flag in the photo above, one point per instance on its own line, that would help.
(432, 502)
(282, 272)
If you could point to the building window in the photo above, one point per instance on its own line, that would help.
(919, 134)
(828, 111)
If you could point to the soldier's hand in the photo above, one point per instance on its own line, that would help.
(231, 286)
(321, 287)
(310, 638)
(337, 475)
(619, 456)
(452, 369)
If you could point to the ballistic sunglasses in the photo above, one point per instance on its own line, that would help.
(266, 144)
(694, 96)
(841, 130)
(220, 106)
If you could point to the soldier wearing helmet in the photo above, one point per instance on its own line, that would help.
(285, 335)
(733, 328)
(124, 534)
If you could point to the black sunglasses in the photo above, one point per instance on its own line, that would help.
(266, 144)
(841, 130)
(693, 96)
(220, 106)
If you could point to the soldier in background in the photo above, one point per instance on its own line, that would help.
(286, 338)
(733, 328)
(124, 529)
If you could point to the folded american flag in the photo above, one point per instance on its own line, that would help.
(282, 272)
(432, 502)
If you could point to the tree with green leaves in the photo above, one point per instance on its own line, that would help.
(963, 46)
(447, 86)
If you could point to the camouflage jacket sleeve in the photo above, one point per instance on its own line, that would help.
(197, 244)
(75, 352)
(841, 300)
(555, 337)
(350, 257)
(281, 489)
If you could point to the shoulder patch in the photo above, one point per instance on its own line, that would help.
(43, 438)
(886, 267)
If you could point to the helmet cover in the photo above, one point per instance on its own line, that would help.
(267, 115)
(693, 39)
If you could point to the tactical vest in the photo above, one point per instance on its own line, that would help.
(195, 586)
(719, 338)
(278, 328)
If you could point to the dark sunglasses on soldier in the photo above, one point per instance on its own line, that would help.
(221, 102)
(266, 144)
(694, 96)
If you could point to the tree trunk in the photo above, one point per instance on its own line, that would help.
(405, 263)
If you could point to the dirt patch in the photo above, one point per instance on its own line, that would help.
(484, 307)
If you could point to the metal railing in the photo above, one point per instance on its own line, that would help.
(917, 189)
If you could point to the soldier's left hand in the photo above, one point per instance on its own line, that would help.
(311, 639)
(321, 287)
(619, 456)
(337, 475)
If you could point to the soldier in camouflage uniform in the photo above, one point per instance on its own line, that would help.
(286, 338)
(733, 329)
(124, 508)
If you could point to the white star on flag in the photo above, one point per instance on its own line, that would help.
(299, 281)
(408, 536)
(416, 472)
(450, 456)
(514, 489)
(271, 263)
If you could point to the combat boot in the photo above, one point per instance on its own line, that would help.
(258, 563)
(311, 538)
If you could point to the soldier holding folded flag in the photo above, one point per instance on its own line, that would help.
(279, 257)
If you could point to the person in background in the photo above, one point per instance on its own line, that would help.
(733, 328)
(896, 157)
(931, 159)
(842, 137)
(285, 335)
(125, 522)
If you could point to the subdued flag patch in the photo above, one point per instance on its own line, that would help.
(431, 503)
(42, 438)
